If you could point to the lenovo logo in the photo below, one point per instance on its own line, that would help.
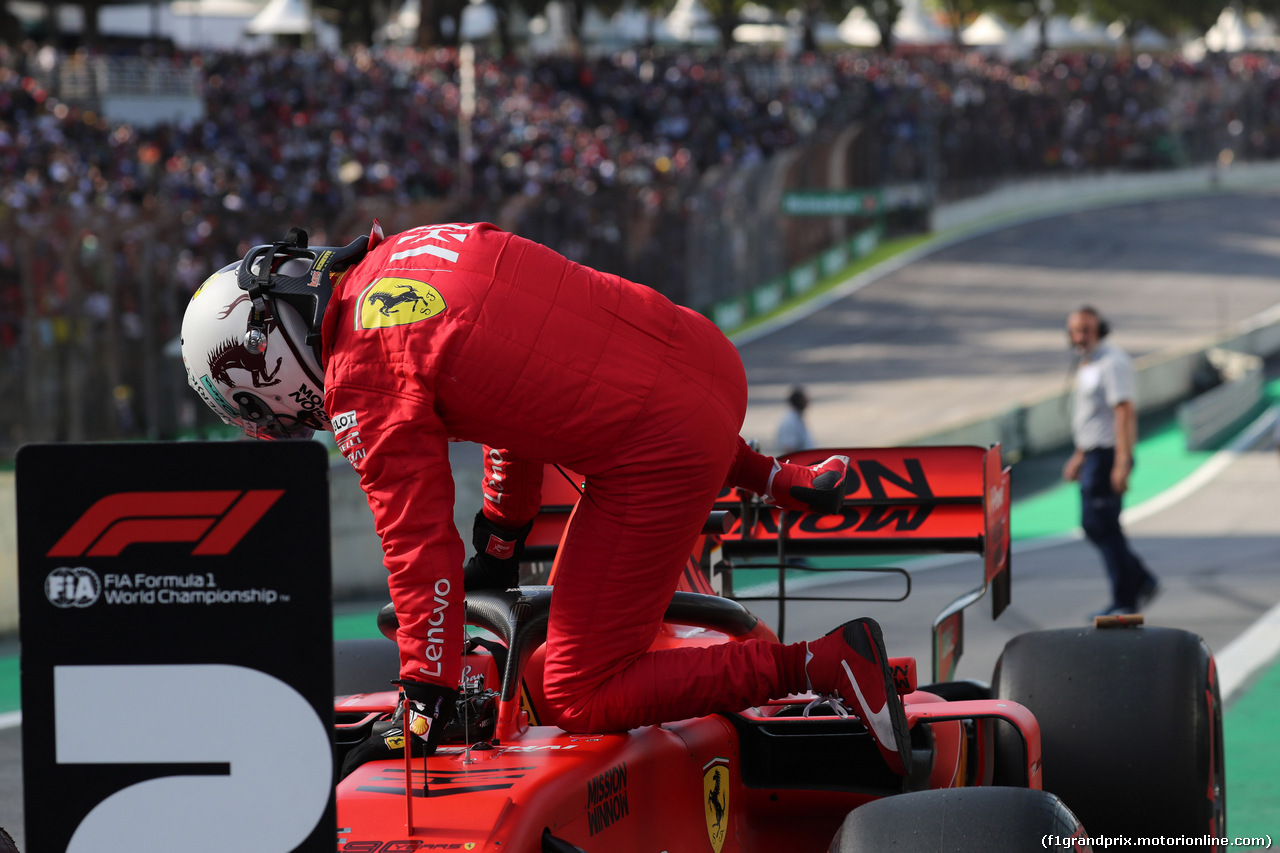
(215, 520)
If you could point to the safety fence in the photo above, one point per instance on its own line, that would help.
(88, 302)
(82, 79)
(731, 245)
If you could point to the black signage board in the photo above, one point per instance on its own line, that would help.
(177, 647)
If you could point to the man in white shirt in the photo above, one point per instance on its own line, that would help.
(1104, 427)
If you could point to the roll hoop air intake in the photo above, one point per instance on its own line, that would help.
(308, 294)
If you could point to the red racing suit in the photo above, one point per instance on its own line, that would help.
(466, 332)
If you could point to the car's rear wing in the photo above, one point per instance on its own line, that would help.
(898, 500)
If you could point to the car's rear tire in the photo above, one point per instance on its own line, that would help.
(364, 666)
(1130, 726)
(959, 820)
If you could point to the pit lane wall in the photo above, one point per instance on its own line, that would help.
(1030, 426)
(1164, 379)
(8, 555)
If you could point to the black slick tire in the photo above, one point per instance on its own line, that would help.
(958, 820)
(1130, 726)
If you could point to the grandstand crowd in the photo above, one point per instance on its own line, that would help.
(300, 136)
(89, 208)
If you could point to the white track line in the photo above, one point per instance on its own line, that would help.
(1248, 654)
(1253, 435)
(1259, 645)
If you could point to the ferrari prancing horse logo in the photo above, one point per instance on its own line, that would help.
(715, 790)
(397, 302)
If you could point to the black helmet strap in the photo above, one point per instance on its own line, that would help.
(309, 294)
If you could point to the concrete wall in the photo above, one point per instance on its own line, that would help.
(1211, 415)
(1023, 200)
(8, 555)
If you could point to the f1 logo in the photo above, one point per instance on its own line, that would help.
(216, 520)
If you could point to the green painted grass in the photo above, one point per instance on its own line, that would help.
(356, 626)
(886, 250)
(1253, 747)
(1162, 462)
(10, 691)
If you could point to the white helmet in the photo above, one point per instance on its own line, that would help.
(251, 337)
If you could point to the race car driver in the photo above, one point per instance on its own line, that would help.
(466, 332)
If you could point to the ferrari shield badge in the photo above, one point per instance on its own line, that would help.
(397, 302)
(715, 798)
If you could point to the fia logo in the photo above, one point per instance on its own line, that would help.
(78, 587)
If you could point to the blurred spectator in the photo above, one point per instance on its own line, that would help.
(793, 434)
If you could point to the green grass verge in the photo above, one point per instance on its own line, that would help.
(1252, 747)
(882, 253)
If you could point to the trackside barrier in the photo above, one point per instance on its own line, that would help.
(1043, 424)
(1210, 415)
(1019, 201)
(731, 313)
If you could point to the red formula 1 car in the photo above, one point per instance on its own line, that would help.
(1112, 730)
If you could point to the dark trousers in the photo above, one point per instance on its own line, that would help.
(1100, 518)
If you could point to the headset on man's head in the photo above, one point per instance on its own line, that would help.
(1104, 328)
